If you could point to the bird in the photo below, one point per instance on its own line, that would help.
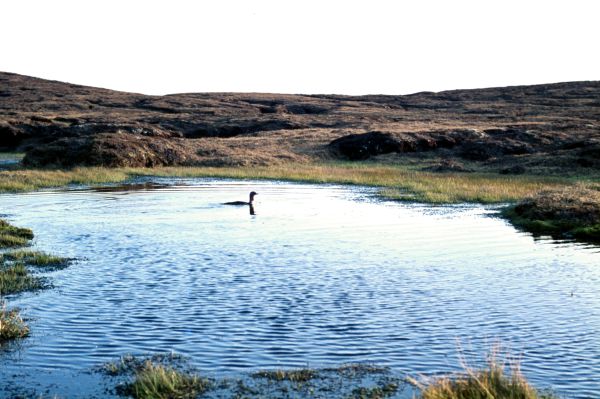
(252, 194)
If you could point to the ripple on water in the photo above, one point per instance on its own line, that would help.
(321, 275)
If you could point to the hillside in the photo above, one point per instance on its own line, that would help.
(553, 127)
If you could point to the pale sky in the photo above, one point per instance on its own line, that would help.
(306, 46)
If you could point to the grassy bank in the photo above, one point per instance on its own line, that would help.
(572, 212)
(171, 376)
(397, 181)
(16, 266)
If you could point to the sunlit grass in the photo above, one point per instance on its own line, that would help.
(36, 258)
(496, 380)
(397, 181)
(12, 325)
(35, 179)
(155, 381)
(12, 236)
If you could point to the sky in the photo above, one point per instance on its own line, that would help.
(306, 46)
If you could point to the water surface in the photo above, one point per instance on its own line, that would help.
(321, 275)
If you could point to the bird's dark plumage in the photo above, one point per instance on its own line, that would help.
(252, 194)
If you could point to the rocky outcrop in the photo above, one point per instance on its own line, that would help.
(363, 146)
(111, 149)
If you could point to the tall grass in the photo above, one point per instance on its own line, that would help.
(35, 258)
(396, 181)
(490, 382)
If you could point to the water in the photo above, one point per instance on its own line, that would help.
(321, 275)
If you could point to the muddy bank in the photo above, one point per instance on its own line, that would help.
(555, 126)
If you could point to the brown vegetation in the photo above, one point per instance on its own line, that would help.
(572, 212)
(514, 129)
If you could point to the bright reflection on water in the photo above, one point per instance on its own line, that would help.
(322, 275)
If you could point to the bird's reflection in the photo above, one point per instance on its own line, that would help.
(252, 209)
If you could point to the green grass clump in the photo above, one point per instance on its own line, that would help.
(15, 278)
(12, 236)
(299, 375)
(12, 325)
(155, 381)
(37, 258)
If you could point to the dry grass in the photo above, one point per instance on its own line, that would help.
(397, 182)
(567, 212)
(35, 179)
(12, 325)
(491, 382)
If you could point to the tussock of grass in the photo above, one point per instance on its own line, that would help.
(16, 278)
(12, 325)
(568, 212)
(162, 382)
(299, 375)
(398, 182)
(11, 236)
(36, 258)
(490, 382)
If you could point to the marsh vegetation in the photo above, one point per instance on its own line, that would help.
(572, 212)
(17, 274)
